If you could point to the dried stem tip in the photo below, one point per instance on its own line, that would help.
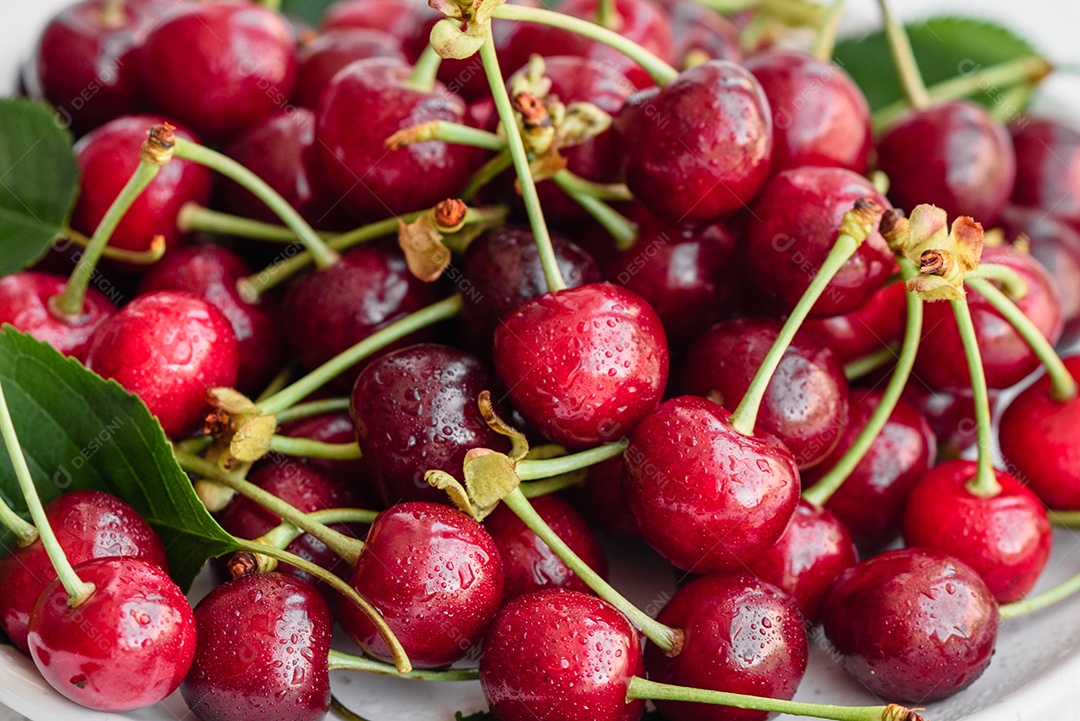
(158, 148)
(242, 563)
(934, 262)
(894, 228)
(450, 215)
(533, 112)
(860, 220)
(895, 712)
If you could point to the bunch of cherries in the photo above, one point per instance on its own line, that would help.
(651, 276)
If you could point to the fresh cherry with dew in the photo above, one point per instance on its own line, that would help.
(25, 304)
(324, 55)
(700, 33)
(602, 500)
(868, 329)
(1047, 164)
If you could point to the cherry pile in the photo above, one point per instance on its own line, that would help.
(655, 274)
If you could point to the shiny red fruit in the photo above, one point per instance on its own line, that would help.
(1047, 165)
(25, 303)
(324, 55)
(868, 329)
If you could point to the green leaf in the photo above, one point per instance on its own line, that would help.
(310, 11)
(80, 431)
(478, 716)
(945, 47)
(38, 181)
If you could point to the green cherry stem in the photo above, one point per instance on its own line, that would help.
(448, 132)
(665, 637)
(1050, 596)
(424, 72)
(535, 489)
(313, 408)
(341, 661)
(607, 15)
(985, 482)
(487, 172)
(869, 363)
(151, 255)
(615, 223)
(531, 470)
(285, 533)
(1065, 519)
(112, 13)
(77, 589)
(1012, 283)
(197, 218)
(826, 40)
(904, 58)
(567, 180)
(310, 448)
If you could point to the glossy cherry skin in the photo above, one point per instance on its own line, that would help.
(871, 500)
(867, 329)
(24, 303)
(792, 227)
(601, 499)
(503, 267)
(698, 31)
(741, 635)
(107, 157)
(168, 348)
(1039, 439)
(264, 644)
(561, 654)
(954, 155)
(1005, 538)
(699, 148)
(88, 525)
(1047, 163)
(406, 428)
(705, 496)
(806, 401)
(820, 116)
(1006, 357)
(327, 53)
(941, 618)
(583, 365)
(804, 563)
(951, 417)
(127, 646)
(245, 67)
(334, 427)
(395, 17)
(373, 182)
(435, 575)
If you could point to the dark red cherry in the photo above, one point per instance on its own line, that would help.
(88, 524)
(805, 403)
(24, 303)
(334, 427)
(107, 157)
(820, 116)
(327, 53)
(1047, 164)
(741, 635)
(244, 69)
(1040, 439)
(704, 495)
(794, 224)
(436, 577)
(167, 348)
(561, 654)
(127, 646)
(602, 500)
(954, 155)
(1006, 356)
(701, 33)
(583, 365)
(698, 149)
(415, 410)
(869, 328)
(264, 645)
(689, 276)
(1005, 538)
(397, 18)
(913, 625)
(804, 563)
(871, 500)
(951, 416)
(375, 182)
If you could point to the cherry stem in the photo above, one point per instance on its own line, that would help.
(1063, 386)
(1012, 283)
(293, 394)
(274, 5)
(424, 72)
(112, 13)
(665, 637)
(340, 661)
(985, 483)
(904, 58)
(826, 40)
(544, 249)
(324, 255)
(276, 383)
(1039, 601)
(488, 171)
(880, 181)
(534, 469)
(133, 257)
(448, 132)
(615, 223)
(311, 448)
(821, 491)
(1065, 519)
(871, 362)
(535, 489)
(658, 70)
(640, 688)
(1008, 105)
(607, 15)
(568, 181)
(313, 408)
(196, 218)
(285, 533)
(77, 590)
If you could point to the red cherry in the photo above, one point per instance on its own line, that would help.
(24, 303)
(1047, 163)
(951, 416)
(322, 57)
(397, 18)
(602, 501)
(332, 428)
(698, 30)
(867, 329)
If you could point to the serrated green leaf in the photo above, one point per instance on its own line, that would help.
(80, 431)
(310, 11)
(38, 181)
(945, 47)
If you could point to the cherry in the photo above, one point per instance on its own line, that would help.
(245, 67)
(687, 275)
(528, 564)
(699, 148)
(88, 524)
(397, 18)
(264, 644)
(24, 303)
(127, 646)
(436, 577)
(804, 563)
(583, 365)
(602, 501)
(406, 428)
(561, 654)
(951, 417)
(870, 502)
(867, 329)
(373, 182)
(820, 116)
(168, 348)
(941, 618)
(332, 428)
(704, 495)
(1005, 538)
(792, 227)
(806, 402)
(323, 56)
(107, 157)
(741, 635)
(698, 31)
(954, 155)
(1047, 159)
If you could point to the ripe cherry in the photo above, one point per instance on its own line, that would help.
(332, 428)
(1047, 160)
(699, 32)
(327, 53)
(24, 303)
(602, 500)
(867, 329)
